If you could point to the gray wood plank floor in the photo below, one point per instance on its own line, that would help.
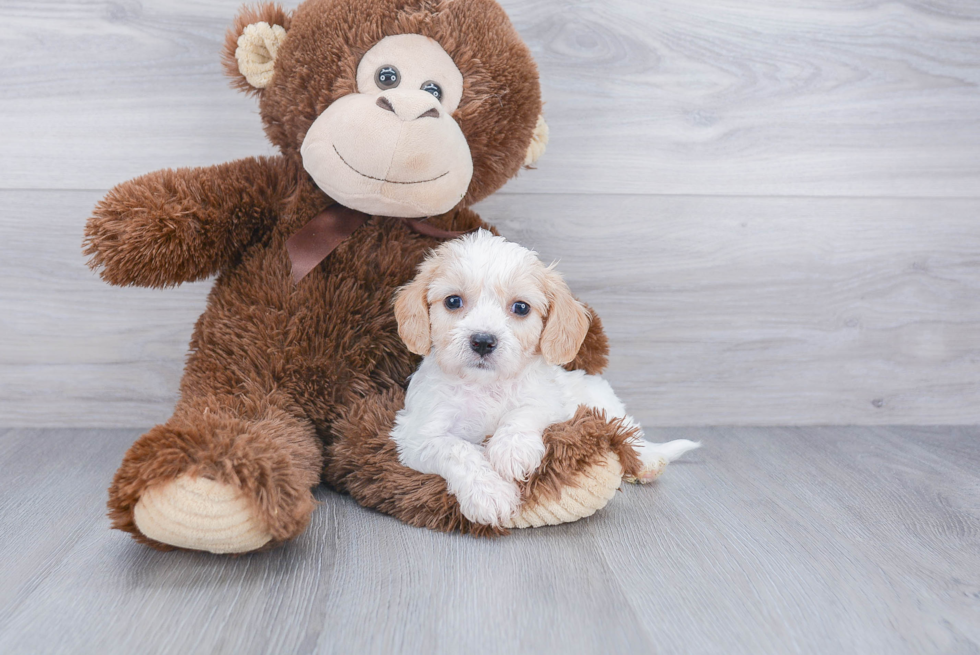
(767, 540)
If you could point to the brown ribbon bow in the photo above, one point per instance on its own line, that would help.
(314, 241)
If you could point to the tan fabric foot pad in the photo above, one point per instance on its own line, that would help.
(199, 514)
(589, 493)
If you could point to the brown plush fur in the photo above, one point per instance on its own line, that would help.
(286, 381)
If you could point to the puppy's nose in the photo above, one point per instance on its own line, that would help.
(483, 343)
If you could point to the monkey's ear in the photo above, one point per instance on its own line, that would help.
(539, 140)
(251, 46)
(567, 322)
(412, 314)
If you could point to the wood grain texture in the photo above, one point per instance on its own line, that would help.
(75, 351)
(773, 311)
(868, 98)
(771, 540)
(756, 309)
(764, 311)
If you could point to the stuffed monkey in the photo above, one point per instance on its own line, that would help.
(391, 117)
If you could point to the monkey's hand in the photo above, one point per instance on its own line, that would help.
(174, 226)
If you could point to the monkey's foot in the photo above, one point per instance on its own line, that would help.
(200, 514)
(586, 494)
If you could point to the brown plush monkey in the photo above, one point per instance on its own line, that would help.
(385, 112)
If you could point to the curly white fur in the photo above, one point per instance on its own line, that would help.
(511, 392)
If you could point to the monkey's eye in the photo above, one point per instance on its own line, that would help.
(433, 88)
(520, 308)
(453, 302)
(387, 77)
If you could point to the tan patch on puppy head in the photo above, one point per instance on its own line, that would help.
(567, 322)
(528, 285)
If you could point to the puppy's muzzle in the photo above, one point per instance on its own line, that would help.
(483, 343)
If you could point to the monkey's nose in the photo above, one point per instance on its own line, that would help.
(483, 343)
(409, 106)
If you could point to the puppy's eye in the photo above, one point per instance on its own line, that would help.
(433, 88)
(453, 302)
(387, 77)
(520, 308)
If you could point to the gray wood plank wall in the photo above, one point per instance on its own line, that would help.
(773, 205)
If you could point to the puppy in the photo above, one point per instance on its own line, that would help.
(495, 326)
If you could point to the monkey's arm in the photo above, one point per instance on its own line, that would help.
(174, 226)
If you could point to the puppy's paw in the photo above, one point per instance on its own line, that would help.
(514, 455)
(488, 498)
(653, 466)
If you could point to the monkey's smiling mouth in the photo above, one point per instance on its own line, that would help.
(382, 179)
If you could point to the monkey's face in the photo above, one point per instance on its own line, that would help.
(393, 147)
(402, 108)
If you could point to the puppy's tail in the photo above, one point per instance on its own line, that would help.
(671, 450)
(655, 456)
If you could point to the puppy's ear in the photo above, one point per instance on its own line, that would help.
(412, 314)
(567, 322)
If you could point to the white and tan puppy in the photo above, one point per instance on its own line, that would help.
(495, 326)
